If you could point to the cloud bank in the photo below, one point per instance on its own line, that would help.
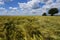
(32, 7)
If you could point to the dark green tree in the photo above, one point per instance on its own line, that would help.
(44, 14)
(53, 11)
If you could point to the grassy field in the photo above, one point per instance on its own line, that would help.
(29, 27)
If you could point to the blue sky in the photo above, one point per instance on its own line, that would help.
(27, 7)
(13, 3)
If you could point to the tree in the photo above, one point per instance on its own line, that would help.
(53, 11)
(44, 14)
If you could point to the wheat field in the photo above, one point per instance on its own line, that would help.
(29, 28)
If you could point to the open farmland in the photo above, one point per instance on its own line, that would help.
(29, 28)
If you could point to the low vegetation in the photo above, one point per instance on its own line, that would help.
(29, 28)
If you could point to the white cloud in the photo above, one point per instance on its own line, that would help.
(58, 1)
(31, 8)
(49, 2)
(1, 2)
(28, 7)
(13, 8)
(30, 4)
(11, 11)
(3, 11)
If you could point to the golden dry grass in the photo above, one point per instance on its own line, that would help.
(29, 28)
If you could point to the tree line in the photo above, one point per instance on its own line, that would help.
(52, 11)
